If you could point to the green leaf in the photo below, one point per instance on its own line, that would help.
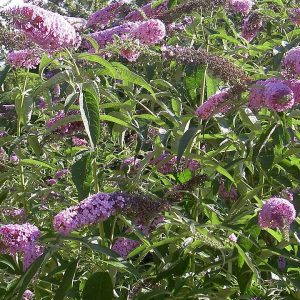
(3, 73)
(26, 278)
(248, 261)
(89, 108)
(99, 60)
(67, 280)
(65, 120)
(35, 145)
(185, 141)
(112, 119)
(125, 74)
(34, 162)
(81, 175)
(224, 172)
(98, 287)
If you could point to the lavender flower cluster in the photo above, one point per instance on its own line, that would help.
(22, 239)
(148, 32)
(277, 213)
(101, 206)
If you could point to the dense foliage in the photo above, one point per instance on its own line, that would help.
(150, 150)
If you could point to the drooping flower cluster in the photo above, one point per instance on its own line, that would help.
(281, 263)
(149, 32)
(218, 103)
(277, 213)
(21, 239)
(95, 208)
(101, 206)
(28, 58)
(149, 11)
(166, 163)
(251, 26)
(106, 15)
(274, 93)
(218, 66)
(291, 63)
(47, 29)
(105, 37)
(241, 6)
(64, 129)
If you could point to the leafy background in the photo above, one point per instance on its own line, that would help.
(189, 256)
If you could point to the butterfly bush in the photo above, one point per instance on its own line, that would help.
(28, 295)
(47, 29)
(105, 16)
(22, 239)
(291, 63)
(233, 238)
(241, 6)
(218, 103)
(166, 163)
(277, 213)
(279, 96)
(150, 32)
(123, 246)
(100, 207)
(251, 26)
(27, 58)
(295, 15)
(65, 129)
(149, 11)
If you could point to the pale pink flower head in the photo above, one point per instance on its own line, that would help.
(233, 238)
(291, 63)
(241, 6)
(47, 29)
(28, 58)
(276, 213)
(150, 32)
(279, 96)
(295, 15)
(218, 103)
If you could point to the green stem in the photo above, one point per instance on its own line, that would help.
(22, 176)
